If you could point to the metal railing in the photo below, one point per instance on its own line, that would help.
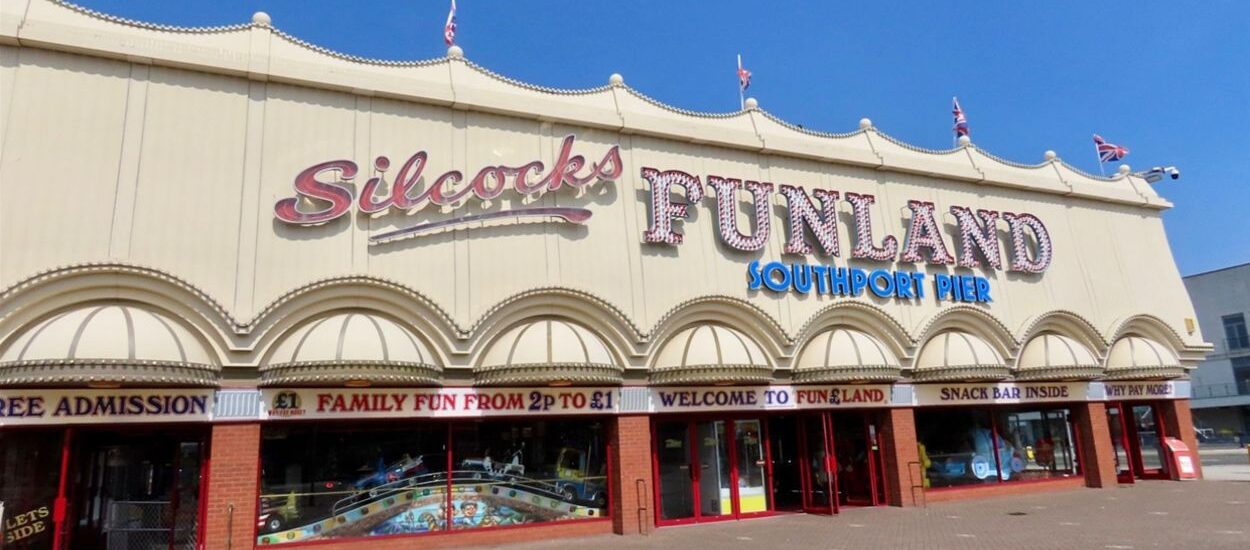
(1235, 345)
(1231, 389)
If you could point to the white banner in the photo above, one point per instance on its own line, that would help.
(766, 398)
(280, 404)
(35, 407)
(1002, 393)
(1128, 391)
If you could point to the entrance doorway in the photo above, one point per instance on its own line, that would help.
(1137, 435)
(710, 469)
(714, 469)
(110, 489)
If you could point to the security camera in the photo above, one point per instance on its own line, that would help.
(1156, 174)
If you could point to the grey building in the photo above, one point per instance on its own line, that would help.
(1221, 384)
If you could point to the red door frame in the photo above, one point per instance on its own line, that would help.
(1129, 475)
(873, 458)
(63, 509)
(1137, 458)
(696, 471)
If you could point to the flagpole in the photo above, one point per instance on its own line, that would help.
(742, 98)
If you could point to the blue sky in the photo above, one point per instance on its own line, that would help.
(1167, 80)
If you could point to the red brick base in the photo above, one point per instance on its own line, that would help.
(632, 507)
(903, 472)
(233, 482)
(461, 539)
(1097, 452)
(1001, 489)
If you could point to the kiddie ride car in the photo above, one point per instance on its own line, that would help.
(406, 467)
(486, 466)
(573, 469)
(980, 464)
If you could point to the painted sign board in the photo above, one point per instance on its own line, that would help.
(128, 406)
(766, 398)
(328, 403)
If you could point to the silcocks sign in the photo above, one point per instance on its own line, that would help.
(325, 185)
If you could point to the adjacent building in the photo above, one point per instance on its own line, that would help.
(256, 293)
(1221, 384)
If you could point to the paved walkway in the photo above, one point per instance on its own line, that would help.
(1157, 514)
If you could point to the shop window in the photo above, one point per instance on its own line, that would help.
(956, 447)
(960, 447)
(1040, 443)
(30, 468)
(339, 481)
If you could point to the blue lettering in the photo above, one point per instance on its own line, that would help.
(771, 282)
(983, 290)
(902, 284)
(753, 271)
(802, 277)
(859, 280)
(918, 279)
(820, 272)
(841, 284)
(875, 283)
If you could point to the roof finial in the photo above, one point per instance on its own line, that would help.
(261, 18)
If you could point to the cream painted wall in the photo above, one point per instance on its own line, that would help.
(176, 165)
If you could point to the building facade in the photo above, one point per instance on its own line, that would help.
(1221, 384)
(256, 293)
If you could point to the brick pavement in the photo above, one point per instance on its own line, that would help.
(1158, 514)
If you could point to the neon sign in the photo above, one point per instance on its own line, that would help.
(326, 185)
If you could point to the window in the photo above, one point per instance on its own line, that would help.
(1235, 335)
(340, 481)
(960, 447)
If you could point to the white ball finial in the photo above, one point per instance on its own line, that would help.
(1124, 168)
(964, 141)
(1050, 155)
(261, 18)
(865, 124)
(455, 52)
(752, 104)
(616, 79)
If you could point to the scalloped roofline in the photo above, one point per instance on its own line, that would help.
(57, 25)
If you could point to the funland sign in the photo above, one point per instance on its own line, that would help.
(323, 193)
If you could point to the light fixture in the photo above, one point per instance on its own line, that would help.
(357, 383)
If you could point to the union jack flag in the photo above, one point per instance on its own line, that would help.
(1109, 152)
(449, 30)
(961, 121)
(744, 76)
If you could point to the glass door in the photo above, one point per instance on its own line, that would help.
(710, 469)
(751, 474)
(817, 470)
(713, 474)
(1119, 441)
(856, 460)
(674, 476)
(785, 462)
(1147, 425)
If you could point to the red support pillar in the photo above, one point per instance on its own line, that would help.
(1179, 423)
(1097, 451)
(233, 483)
(632, 504)
(903, 470)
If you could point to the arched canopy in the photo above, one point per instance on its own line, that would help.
(108, 344)
(1051, 356)
(1140, 357)
(841, 355)
(956, 356)
(548, 351)
(351, 348)
(709, 353)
